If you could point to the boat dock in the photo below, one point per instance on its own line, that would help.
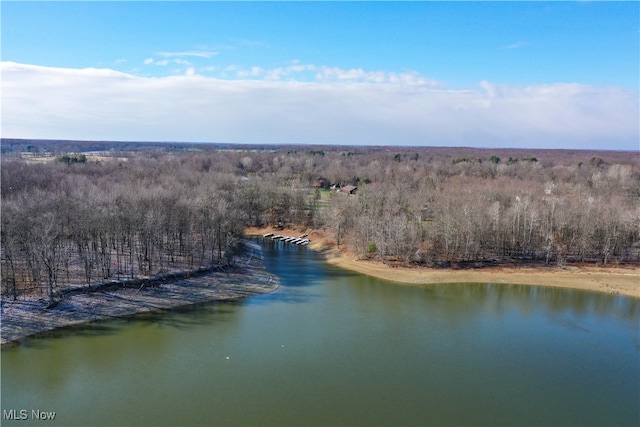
(300, 240)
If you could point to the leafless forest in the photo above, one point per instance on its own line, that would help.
(84, 212)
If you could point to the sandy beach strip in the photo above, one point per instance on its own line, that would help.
(611, 280)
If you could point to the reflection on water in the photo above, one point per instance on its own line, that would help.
(331, 347)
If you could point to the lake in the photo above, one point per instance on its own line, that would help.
(332, 347)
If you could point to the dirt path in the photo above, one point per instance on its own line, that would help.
(611, 280)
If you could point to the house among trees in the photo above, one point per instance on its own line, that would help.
(321, 183)
(348, 189)
(426, 214)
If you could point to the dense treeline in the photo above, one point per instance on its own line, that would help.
(523, 211)
(126, 219)
(474, 208)
(72, 222)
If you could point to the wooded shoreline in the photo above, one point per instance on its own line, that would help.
(611, 280)
(117, 299)
(25, 318)
(75, 218)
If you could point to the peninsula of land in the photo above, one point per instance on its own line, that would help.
(611, 280)
(31, 316)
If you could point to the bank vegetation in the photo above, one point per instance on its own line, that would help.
(79, 219)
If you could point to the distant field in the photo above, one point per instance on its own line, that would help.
(547, 156)
(48, 157)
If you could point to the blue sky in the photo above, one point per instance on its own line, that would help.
(535, 74)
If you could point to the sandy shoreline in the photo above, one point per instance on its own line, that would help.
(610, 280)
(24, 318)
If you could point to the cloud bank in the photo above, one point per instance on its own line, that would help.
(337, 107)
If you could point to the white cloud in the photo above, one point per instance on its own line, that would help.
(515, 45)
(309, 72)
(182, 62)
(196, 53)
(165, 62)
(345, 107)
